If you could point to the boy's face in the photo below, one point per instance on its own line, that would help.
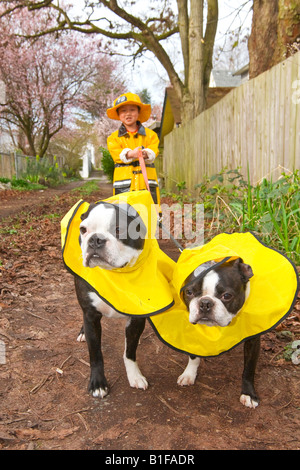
(129, 114)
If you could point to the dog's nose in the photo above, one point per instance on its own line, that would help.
(96, 241)
(206, 305)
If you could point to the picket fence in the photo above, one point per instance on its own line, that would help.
(255, 126)
(13, 164)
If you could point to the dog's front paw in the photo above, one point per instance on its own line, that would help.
(248, 401)
(186, 379)
(100, 392)
(98, 387)
(134, 375)
(81, 336)
(138, 381)
(189, 375)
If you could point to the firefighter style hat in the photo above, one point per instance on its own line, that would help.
(129, 98)
(273, 293)
(142, 289)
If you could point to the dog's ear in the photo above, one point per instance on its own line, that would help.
(244, 269)
(86, 214)
(136, 226)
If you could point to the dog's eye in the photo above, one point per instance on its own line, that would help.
(189, 292)
(226, 296)
(83, 230)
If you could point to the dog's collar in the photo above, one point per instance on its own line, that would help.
(204, 269)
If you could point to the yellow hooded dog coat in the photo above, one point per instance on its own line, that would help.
(152, 287)
(142, 289)
(273, 292)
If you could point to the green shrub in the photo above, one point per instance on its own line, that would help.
(4, 180)
(41, 170)
(270, 209)
(107, 164)
(22, 184)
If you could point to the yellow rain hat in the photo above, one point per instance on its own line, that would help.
(129, 98)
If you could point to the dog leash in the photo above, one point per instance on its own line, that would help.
(143, 168)
(145, 176)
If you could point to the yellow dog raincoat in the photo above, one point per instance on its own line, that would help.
(142, 289)
(152, 287)
(273, 292)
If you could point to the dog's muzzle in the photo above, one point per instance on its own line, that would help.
(96, 242)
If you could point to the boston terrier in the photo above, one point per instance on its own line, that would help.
(215, 299)
(106, 241)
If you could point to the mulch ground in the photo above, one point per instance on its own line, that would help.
(44, 402)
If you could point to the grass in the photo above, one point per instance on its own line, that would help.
(41, 173)
(270, 209)
(22, 184)
(86, 189)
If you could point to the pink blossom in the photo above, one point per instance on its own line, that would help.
(48, 79)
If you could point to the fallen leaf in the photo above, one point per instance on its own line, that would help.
(6, 437)
(116, 431)
(35, 434)
(3, 305)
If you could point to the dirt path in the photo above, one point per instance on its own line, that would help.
(13, 202)
(43, 385)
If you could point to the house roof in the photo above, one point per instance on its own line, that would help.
(224, 78)
(243, 70)
(170, 114)
(171, 108)
(154, 126)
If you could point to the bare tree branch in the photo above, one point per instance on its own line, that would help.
(183, 23)
(144, 34)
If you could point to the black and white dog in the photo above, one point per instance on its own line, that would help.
(106, 242)
(215, 299)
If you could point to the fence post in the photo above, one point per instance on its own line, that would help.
(16, 164)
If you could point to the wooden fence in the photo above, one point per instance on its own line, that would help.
(255, 125)
(14, 164)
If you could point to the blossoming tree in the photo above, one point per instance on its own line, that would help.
(48, 80)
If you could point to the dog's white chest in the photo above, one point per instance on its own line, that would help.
(103, 307)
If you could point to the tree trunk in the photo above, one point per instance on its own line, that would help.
(197, 49)
(288, 29)
(275, 27)
(196, 63)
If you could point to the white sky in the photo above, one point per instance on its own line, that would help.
(147, 71)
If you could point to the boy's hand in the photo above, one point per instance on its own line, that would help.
(145, 155)
(134, 154)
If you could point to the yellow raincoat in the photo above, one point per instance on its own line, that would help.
(273, 292)
(128, 176)
(142, 289)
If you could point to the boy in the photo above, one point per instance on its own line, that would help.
(125, 143)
